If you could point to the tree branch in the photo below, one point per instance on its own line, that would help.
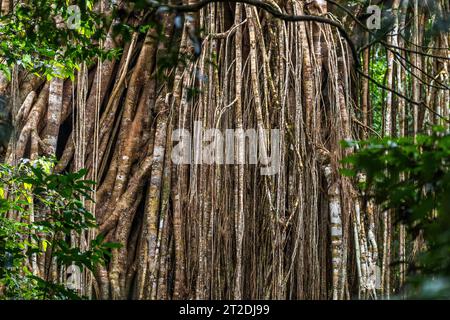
(270, 9)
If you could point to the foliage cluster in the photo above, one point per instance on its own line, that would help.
(39, 211)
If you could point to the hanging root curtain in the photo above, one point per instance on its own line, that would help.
(216, 231)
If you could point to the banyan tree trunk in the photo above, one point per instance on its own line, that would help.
(220, 230)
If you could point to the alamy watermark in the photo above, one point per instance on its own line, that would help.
(233, 146)
(374, 20)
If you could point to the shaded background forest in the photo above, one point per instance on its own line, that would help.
(226, 231)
